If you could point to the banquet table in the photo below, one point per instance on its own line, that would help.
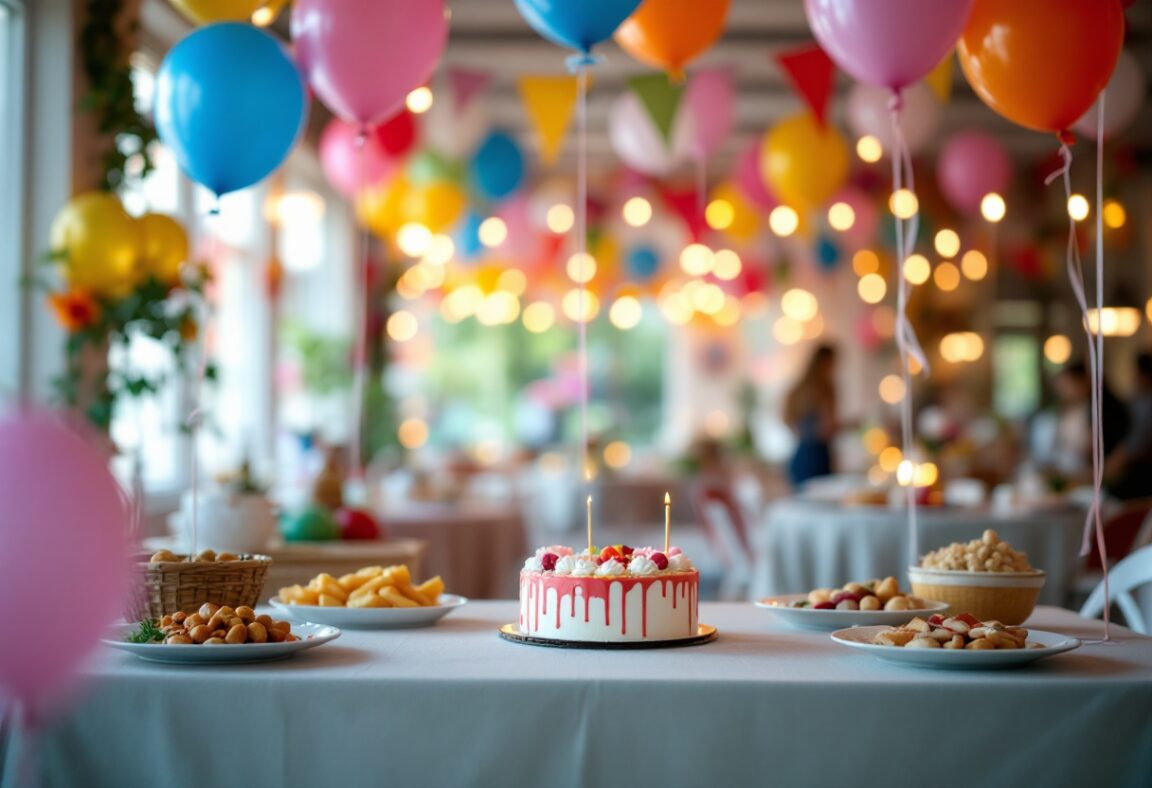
(804, 544)
(455, 705)
(478, 548)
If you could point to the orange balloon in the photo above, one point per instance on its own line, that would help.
(1041, 63)
(669, 33)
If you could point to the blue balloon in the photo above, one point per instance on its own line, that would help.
(468, 236)
(827, 253)
(643, 262)
(230, 105)
(497, 168)
(576, 24)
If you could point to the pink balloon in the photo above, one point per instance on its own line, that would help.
(748, 178)
(342, 162)
(888, 43)
(706, 113)
(636, 140)
(362, 57)
(869, 112)
(867, 219)
(972, 164)
(1124, 96)
(63, 552)
(523, 244)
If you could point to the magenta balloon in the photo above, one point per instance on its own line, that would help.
(889, 43)
(869, 112)
(1124, 96)
(706, 112)
(362, 57)
(63, 552)
(972, 164)
(341, 158)
(749, 180)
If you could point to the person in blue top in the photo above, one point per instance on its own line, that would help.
(810, 411)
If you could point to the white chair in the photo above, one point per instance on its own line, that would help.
(1126, 577)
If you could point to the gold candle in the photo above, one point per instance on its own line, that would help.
(589, 524)
(667, 522)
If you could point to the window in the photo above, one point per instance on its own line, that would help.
(12, 100)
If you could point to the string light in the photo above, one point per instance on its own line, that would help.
(1114, 214)
(875, 440)
(412, 433)
(441, 249)
(696, 260)
(625, 313)
(264, 16)
(865, 262)
(637, 211)
(720, 214)
(841, 216)
(1057, 349)
(974, 265)
(890, 459)
(799, 304)
(992, 207)
(726, 265)
(917, 269)
(947, 276)
(903, 204)
(492, 231)
(581, 267)
(869, 149)
(617, 454)
(571, 306)
(419, 100)
(787, 331)
(512, 281)
(783, 220)
(947, 243)
(538, 317)
(413, 239)
(961, 346)
(872, 288)
(676, 308)
(560, 218)
(402, 326)
(892, 389)
(1078, 207)
(1114, 321)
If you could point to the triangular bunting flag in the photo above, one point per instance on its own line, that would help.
(812, 74)
(661, 97)
(549, 102)
(466, 84)
(939, 79)
(686, 204)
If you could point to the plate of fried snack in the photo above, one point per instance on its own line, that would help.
(219, 634)
(375, 597)
(879, 601)
(958, 642)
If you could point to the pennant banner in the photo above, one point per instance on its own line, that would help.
(466, 84)
(939, 80)
(661, 97)
(812, 75)
(549, 103)
(686, 204)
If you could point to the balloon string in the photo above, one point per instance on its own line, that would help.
(582, 247)
(1098, 481)
(701, 186)
(1075, 270)
(360, 353)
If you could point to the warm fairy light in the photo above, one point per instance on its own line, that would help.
(1148, 310)
(560, 218)
(571, 306)
(637, 211)
(409, 288)
(872, 288)
(676, 308)
(947, 243)
(787, 331)
(814, 328)
(441, 249)
(869, 149)
(914, 367)
(1078, 207)
(492, 231)
(412, 433)
(617, 454)
(1114, 321)
(865, 262)
(841, 216)
(917, 474)
(875, 440)
(756, 304)
(707, 298)
(581, 267)
(992, 207)
(946, 276)
(917, 269)
(264, 16)
(729, 313)
(877, 476)
(720, 214)
(1057, 349)
(625, 313)
(726, 265)
(1114, 214)
(892, 389)
(799, 304)
(974, 265)
(538, 317)
(903, 204)
(512, 281)
(904, 472)
(696, 260)
(783, 220)
(890, 459)
(419, 100)
(413, 239)
(961, 346)
(498, 308)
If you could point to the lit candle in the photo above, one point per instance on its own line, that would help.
(667, 521)
(589, 524)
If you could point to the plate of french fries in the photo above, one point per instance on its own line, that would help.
(375, 597)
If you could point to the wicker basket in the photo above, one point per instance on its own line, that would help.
(1008, 597)
(163, 587)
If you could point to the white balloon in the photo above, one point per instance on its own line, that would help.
(869, 113)
(1124, 95)
(636, 139)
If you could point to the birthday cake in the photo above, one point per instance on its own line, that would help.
(618, 594)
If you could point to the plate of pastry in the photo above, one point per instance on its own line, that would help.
(855, 604)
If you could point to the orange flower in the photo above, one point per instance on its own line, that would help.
(75, 310)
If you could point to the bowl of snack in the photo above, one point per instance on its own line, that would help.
(165, 582)
(874, 602)
(986, 577)
(374, 597)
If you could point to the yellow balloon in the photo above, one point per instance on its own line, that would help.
(381, 207)
(743, 222)
(204, 12)
(164, 247)
(100, 243)
(435, 205)
(804, 163)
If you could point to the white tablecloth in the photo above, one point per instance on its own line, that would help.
(764, 705)
(801, 545)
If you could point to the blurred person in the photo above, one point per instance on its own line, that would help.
(1070, 456)
(810, 412)
(1128, 470)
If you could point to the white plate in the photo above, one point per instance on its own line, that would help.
(957, 659)
(311, 636)
(808, 618)
(372, 617)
